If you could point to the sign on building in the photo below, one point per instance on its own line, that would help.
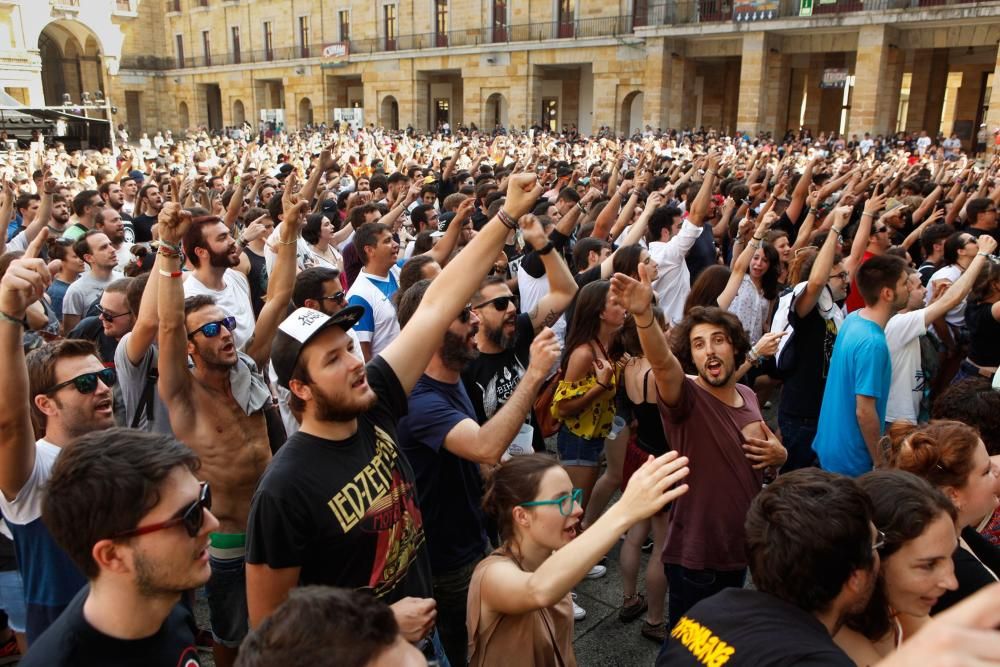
(336, 54)
(755, 10)
(352, 116)
(834, 78)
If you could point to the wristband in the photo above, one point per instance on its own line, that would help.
(604, 386)
(582, 208)
(640, 326)
(813, 210)
(871, 215)
(836, 231)
(13, 320)
(506, 219)
(984, 254)
(174, 247)
(758, 238)
(292, 242)
(546, 249)
(170, 274)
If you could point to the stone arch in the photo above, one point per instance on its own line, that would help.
(239, 113)
(305, 112)
(183, 117)
(72, 62)
(495, 112)
(631, 113)
(389, 113)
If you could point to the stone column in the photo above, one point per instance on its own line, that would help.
(878, 74)
(655, 97)
(680, 103)
(993, 114)
(753, 80)
(606, 100)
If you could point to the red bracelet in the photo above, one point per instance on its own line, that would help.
(171, 274)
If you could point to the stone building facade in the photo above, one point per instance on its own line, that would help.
(753, 65)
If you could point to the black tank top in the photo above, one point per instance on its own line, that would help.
(649, 435)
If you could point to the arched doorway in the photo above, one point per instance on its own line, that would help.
(239, 113)
(305, 112)
(72, 62)
(183, 118)
(631, 113)
(389, 113)
(496, 112)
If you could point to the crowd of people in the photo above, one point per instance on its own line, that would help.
(373, 395)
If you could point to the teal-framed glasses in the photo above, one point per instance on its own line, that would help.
(565, 503)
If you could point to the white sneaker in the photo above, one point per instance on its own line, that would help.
(597, 572)
(579, 613)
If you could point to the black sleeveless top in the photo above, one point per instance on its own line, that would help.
(649, 434)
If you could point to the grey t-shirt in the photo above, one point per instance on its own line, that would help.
(84, 291)
(132, 380)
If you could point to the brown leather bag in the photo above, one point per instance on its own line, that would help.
(547, 424)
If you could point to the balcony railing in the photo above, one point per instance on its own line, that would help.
(647, 15)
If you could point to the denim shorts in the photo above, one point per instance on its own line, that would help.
(575, 450)
(12, 600)
(227, 600)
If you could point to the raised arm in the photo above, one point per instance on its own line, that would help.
(863, 233)
(441, 252)
(147, 320)
(236, 202)
(174, 384)
(487, 443)
(742, 262)
(819, 275)
(562, 287)
(960, 289)
(23, 284)
(801, 191)
(700, 206)
(281, 280)
(636, 296)
(448, 294)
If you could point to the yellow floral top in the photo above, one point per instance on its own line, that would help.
(595, 420)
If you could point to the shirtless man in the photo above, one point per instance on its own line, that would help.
(215, 407)
(710, 418)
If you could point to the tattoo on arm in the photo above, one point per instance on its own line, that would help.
(550, 319)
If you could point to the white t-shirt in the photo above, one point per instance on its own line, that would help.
(378, 325)
(902, 334)
(84, 291)
(233, 299)
(951, 273)
(673, 283)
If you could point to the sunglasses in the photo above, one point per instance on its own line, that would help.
(338, 297)
(565, 503)
(191, 517)
(500, 303)
(879, 230)
(87, 383)
(213, 329)
(466, 314)
(108, 316)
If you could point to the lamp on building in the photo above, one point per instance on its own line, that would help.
(66, 100)
(99, 97)
(86, 98)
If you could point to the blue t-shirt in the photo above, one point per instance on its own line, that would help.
(449, 488)
(56, 292)
(860, 366)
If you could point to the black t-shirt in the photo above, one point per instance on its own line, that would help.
(743, 627)
(702, 253)
(450, 488)
(257, 279)
(143, 226)
(73, 642)
(490, 379)
(129, 225)
(984, 332)
(971, 571)
(346, 511)
(813, 340)
(90, 328)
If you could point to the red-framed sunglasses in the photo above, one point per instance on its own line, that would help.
(191, 517)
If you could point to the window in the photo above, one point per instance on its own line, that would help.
(206, 45)
(180, 49)
(268, 41)
(176, 5)
(441, 21)
(565, 18)
(203, 3)
(236, 44)
(390, 27)
(499, 20)
(304, 36)
(344, 16)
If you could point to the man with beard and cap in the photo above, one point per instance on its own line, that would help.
(814, 559)
(217, 406)
(716, 422)
(65, 390)
(220, 272)
(505, 335)
(338, 504)
(445, 443)
(852, 417)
